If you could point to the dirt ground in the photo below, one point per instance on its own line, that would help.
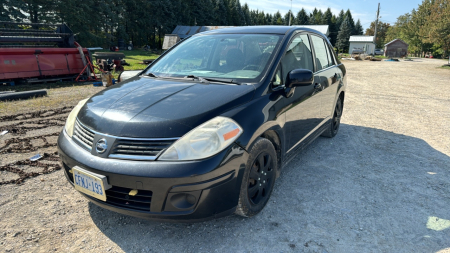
(381, 185)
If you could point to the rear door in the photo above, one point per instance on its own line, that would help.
(329, 75)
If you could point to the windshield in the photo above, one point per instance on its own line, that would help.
(238, 57)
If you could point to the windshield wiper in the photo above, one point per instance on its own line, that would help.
(201, 79)
(152, 75)
(219, 80)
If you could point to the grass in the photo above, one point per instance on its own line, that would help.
(446, 67)
(135, 58)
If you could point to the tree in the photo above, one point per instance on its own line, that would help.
(340, 18)
(302, 18)
(277, 19)
(351, 22)
(437, 27)
(220, 13)
(10, 10)
(288, 16)
(381, 32)
(246, 10)
(359, 30)
(344, 35)
(326, 17)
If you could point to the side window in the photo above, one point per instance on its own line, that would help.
(322, 53)
(298, 55)
(330, 54)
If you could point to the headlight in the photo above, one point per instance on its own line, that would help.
(72, 116)
(204, 141)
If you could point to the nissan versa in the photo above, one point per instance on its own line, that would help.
(205, 130)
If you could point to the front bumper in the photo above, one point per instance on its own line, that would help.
(183, 191)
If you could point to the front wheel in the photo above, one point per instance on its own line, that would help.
(336, 120)
(259, 178)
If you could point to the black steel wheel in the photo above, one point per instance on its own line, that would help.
(336, 120)
(259, 178)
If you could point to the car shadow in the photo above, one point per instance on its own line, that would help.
(364, 190)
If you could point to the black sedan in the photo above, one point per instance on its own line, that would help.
(205, 130)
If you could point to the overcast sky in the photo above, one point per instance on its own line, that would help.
(361, 9)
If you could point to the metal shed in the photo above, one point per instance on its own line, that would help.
(325, 29)
(361, 43)
(396, 48)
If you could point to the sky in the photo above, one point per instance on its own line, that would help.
(365, 10)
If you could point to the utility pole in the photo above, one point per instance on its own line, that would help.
(376, 27)
(290, 14)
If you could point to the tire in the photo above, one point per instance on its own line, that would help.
(259, 178)
(336, 120)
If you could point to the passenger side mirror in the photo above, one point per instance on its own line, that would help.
(299, 77)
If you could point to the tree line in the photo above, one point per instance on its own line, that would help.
(426, 29)
(145, 22)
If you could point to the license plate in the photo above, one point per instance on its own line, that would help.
(90, 183)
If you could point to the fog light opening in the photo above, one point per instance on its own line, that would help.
(183, 200)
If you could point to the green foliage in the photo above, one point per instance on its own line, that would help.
(145, 22)
(381, 32)
(426, 30)
(359, 30)
(344, 35)
(302, 18)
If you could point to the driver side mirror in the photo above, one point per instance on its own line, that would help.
(299, 77)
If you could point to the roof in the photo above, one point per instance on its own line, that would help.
(186, 31)
(395, 41)
(321, 28)
(361, 38)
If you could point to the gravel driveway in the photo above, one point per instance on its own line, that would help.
(381, 185)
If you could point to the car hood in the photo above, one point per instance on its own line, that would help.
(159, 108)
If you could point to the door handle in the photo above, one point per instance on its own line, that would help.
(318, 86)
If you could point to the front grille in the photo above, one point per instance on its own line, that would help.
(83, 135)
(139, 149)
(118, 196)
(123, 147)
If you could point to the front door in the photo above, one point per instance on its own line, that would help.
(303, 112)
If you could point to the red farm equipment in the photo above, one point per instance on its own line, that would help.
(41, 52)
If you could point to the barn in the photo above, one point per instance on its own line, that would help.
(362, 44)
(396, 48)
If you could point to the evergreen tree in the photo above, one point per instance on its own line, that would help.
(319, 18)
(220, 13)
(248, 19)
(326, 18)
(240, 18)
(287, 16)
(339, 19)
(277, 19)
(344, 35)
(351, 22)
(269, 19)
(302, 18)
(358, 28)
(333, 30)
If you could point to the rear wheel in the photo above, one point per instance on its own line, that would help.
(336, 120)
(259, 178)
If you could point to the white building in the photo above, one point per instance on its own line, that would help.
(362, 43)
(321, 28)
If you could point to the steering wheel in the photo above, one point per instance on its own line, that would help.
(251, 67)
